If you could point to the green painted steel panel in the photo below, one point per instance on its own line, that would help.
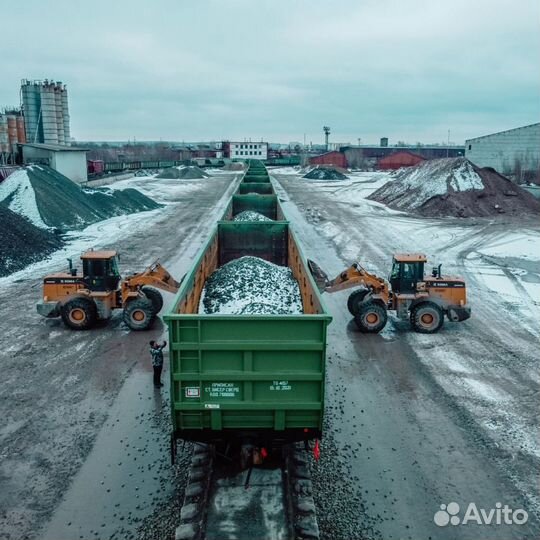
(267, 205)
(257, 178)
(262, 188)
(247, 371)
(266, 240)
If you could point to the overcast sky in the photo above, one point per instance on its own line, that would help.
(233, 69)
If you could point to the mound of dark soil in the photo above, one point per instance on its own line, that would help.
(183, 173)
(454, 187)
(22, 242)
(250, 285)
(325, 173)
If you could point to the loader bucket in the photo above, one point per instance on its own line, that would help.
(319, 275)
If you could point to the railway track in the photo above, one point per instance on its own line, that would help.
(272, 501)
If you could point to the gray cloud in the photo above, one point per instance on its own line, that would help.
(409, 70)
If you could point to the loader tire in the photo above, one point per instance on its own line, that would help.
(155, 297)
(139, 314)
(427, 318)
(371, 317)
(79, 313)
(355, 300)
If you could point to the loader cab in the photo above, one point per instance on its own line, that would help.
(407, 271)
(100, 270)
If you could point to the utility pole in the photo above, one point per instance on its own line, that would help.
(448, 145)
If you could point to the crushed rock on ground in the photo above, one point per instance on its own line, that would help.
(325, 173)
(50, 200)
(251, 286)
(183, 173)
(454, 187)
(250, 215)
(22, 242)
(341, 509)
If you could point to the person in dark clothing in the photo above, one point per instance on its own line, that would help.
(156, 350)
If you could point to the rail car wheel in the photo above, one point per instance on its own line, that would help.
(79, 313)
(371, 317)
(139, 314)
(355, 300)
(427, 318)
(155, 297)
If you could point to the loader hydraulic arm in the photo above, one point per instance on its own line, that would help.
(356, 276)
(156, 276)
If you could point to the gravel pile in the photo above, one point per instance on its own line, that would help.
(50, 200)
(454, 187)
(250, 215)
(325, 173)
(22, 242)
(251, 286)
(183, 173)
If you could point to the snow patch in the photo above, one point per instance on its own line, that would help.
(19, 190)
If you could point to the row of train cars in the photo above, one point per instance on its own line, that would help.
(98, 167)
(255, 380)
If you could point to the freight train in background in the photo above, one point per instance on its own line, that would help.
(98, 167)
(248, 390)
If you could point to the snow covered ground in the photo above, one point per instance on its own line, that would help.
(488, 364)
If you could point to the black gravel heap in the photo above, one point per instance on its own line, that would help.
(64, 205)
(325, 173)
(250, 215)
(22, 242)
(253, 286)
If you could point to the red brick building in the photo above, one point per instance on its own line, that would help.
(337, 159)
(398, 160)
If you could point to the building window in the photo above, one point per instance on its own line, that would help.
(470, 145)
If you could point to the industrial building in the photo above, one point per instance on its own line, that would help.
(403, 158)
(46, 112)
(367, 156)
(67, 160)
(337, 159)
(514, 153)
(243, 150)
(42, 118)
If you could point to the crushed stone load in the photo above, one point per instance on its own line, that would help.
(22, 242)
(454, 187)
(250, 215)
(251, 286)
(325, 173)
(50, 200)
(183, 172)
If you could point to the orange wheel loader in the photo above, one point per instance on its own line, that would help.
(424, 300)
(82, 299)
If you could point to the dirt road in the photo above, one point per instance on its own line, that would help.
(420, 421)
(84, 449)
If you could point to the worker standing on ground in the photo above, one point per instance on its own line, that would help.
(156, 350)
